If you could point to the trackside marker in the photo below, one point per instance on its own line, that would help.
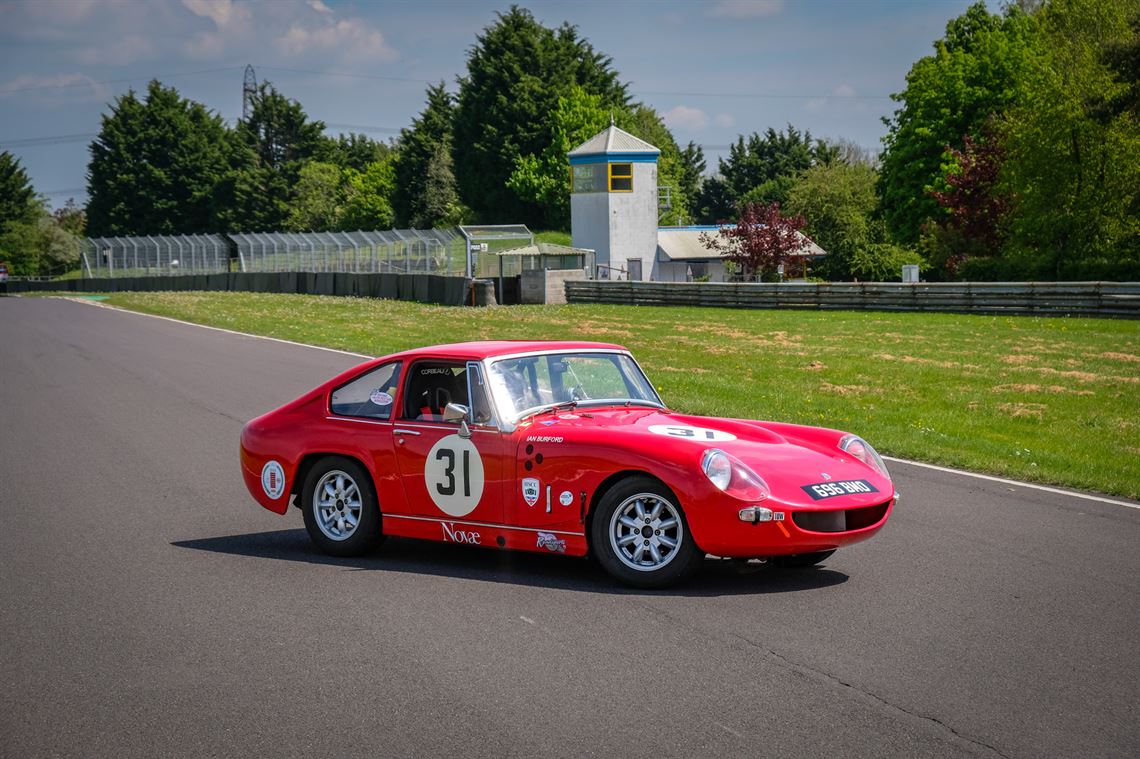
(935, 467)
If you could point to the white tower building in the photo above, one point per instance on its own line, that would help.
(613, 202)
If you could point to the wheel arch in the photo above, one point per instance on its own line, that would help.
(608, 484)
(309, 460)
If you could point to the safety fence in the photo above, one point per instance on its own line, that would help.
(424, 288)
(153, 255)
(1119, 299)
(393, 251)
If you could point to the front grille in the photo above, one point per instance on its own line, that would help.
(843, 520)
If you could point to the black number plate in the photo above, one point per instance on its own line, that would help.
(825, 490)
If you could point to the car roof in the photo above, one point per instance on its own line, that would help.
(492, 348)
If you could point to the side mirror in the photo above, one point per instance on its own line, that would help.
(455, 412)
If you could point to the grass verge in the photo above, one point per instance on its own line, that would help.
(1050, 400)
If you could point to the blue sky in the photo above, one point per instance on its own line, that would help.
(714, 70)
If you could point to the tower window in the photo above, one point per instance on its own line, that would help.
(621, 177)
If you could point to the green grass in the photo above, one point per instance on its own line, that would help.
(555, 238)
(1045, 399)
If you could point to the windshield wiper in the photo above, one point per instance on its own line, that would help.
(549, 408)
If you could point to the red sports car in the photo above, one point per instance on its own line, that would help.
(562, 447)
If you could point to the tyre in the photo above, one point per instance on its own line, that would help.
(800, 560)
(339, 504)
(640, 535)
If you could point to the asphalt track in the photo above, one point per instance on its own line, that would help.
(150, 608)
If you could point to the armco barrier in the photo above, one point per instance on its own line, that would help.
(1117, 299)
(425, 288)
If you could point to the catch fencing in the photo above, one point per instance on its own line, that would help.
(153, 255)
(1118, 299)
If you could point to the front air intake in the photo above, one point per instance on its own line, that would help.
(842, 520)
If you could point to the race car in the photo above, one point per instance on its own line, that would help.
(560, 447)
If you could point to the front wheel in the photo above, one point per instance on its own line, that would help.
(339, 504)
(800, 560)
(640, 535)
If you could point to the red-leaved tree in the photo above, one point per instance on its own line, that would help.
(973, 225)
(761, 241)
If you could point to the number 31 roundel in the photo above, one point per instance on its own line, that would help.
(453, 473)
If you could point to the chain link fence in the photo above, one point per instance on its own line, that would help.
(154, 256)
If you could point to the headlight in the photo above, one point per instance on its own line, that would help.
(862, 450)
(733, 476)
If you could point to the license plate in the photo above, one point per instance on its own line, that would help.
(825, 490)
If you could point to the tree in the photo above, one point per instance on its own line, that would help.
(974, 219)
(355, 151)
(761, 169)
(419, 148)
(1071, 170)
(17, 197)
(266, 154)
(319, 198)
(692, 170)
(761, 241)
(154, 166)
(516, 71)
(71, 218)
(838, 204)
(972, 76)
(369, 197)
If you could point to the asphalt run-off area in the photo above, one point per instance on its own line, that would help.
(148, 607)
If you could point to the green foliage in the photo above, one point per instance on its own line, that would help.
(838, 201)
(266, 154)
(426, 194)
(881, 262)
(516, 72)
(369, 197)
(17, 197)
(154, 166)
(761, 169)
(319, 198)
(355, 151)
(973, 74)
(1073, 171)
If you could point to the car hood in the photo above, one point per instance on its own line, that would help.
(788, 457)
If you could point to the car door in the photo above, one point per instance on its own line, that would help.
(449, 478)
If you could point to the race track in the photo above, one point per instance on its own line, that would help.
(148, 607)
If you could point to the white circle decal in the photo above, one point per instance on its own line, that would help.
(273, 479)
(566, 498)
(701, 434)
(380, 398)
(453, 474)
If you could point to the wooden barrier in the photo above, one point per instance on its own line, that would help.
(1117, 299)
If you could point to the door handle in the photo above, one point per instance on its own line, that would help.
(399, 431)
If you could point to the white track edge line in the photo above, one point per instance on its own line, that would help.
(207, 326)
(948, 470)
(1018, 483)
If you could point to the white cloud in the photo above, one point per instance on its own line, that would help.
(57, 89)
(724, 120)
(318, 6)
(747, 9)
(844, 91)
(349, 38)
(224, 13)
(684, 117)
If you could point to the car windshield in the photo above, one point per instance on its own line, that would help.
(526, 384)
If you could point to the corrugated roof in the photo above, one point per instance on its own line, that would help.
(685, 245)
(613, 140)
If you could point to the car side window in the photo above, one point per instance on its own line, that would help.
(430, 386)
(370, 395)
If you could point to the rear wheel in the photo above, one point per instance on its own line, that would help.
(640, 535)
(800, 560)
(339, 504)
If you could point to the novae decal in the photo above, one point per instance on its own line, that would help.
(684, 431)
(273, 479)
(551, 542)
(468, 537)
(453, 473)
(530, 488)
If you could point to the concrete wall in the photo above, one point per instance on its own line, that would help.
(547, 285)
(619, 226)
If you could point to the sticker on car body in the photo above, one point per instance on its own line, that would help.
(273, 479)
(530, 488)
(453, 473)
(824, 490)
(686, 432)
